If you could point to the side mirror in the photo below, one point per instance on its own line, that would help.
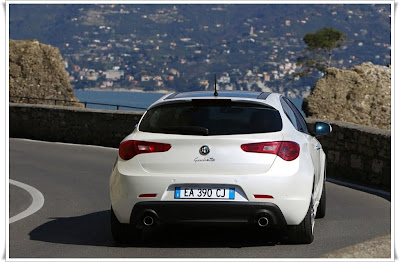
(322, 128)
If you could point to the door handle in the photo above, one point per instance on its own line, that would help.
(318, 147)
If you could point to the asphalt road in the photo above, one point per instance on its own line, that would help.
(74, 220)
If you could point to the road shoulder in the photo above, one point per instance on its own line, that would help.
(379, 247)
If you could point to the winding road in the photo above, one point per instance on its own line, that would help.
(74, 219)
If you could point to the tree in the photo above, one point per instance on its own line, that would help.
(317, 55)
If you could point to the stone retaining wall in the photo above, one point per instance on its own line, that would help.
(355, 153)
(71, 124)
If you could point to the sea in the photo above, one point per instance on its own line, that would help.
(140, 101)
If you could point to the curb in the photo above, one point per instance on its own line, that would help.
(382, 193)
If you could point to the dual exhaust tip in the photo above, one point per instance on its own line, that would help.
(150, 218)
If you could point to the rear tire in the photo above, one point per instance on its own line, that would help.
(322, 204)
(304, 232)
(123, 233)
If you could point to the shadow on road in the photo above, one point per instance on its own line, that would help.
(94, 230)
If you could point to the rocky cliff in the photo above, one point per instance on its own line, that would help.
(360, 95)
(37, 70)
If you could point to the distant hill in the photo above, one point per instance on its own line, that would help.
(200, 40)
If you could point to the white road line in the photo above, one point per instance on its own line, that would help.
(37, 202)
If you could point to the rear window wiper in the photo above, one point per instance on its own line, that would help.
(187, 130)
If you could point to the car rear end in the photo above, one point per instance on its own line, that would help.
(216, 159)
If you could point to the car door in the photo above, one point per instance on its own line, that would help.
(314, 145)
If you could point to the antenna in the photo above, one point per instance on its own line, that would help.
(215, 85)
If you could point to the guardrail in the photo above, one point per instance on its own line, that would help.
(85, 103)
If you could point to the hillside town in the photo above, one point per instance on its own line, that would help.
(166, 47)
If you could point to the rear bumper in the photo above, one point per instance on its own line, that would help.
(290, 187)
(170, 212)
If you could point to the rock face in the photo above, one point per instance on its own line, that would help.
(360, 95)
(37, 70)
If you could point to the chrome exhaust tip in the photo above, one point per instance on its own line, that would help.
(263, 221)
(148, 221)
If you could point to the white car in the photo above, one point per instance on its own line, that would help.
(232, 157)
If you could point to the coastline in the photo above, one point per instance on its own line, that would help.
(141, 99)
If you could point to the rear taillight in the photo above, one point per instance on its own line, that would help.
(286, 150)
(289, 150)
(131, 148)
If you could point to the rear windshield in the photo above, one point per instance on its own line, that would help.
(211, 118)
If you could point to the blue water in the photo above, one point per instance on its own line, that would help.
(133, 99)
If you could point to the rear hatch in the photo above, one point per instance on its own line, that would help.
(206, 137)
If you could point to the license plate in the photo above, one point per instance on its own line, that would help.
(205, 192)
